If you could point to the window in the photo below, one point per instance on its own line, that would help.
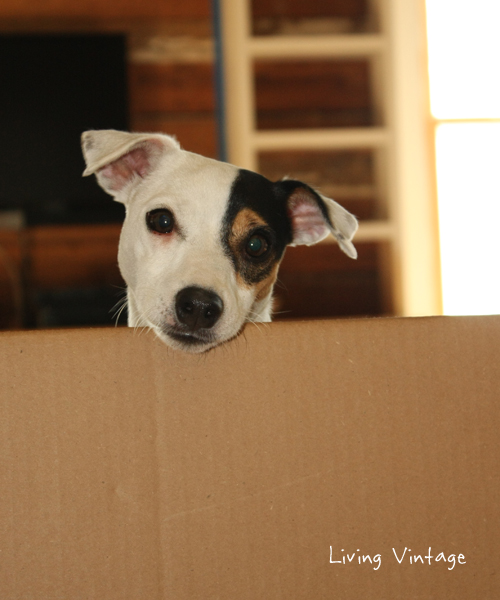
(464, 62)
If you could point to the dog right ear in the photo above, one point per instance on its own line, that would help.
(313, 217)
(118, 159)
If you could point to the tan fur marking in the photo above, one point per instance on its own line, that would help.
(266, 285)
(241, 282)
(245, 220)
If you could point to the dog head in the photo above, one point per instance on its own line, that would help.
(202, 240)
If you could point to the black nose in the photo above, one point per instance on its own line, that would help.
(198, 308)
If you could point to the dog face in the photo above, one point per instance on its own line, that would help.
(202, 240)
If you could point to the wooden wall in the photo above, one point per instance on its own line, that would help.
(171, 86)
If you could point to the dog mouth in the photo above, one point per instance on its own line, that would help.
(195, 341)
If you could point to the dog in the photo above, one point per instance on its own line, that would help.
(202, 240)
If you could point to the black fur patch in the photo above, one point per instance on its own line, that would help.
(269, 201)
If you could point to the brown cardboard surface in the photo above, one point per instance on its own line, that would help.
(130, 471)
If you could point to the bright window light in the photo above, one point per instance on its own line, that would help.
(464, 50)
(464, 67)
(468, 171)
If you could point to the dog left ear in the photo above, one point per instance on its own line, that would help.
(313, 217)
(119, 158)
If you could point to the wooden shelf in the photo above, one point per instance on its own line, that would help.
(401, 172)
(320, 46)
(318, 139)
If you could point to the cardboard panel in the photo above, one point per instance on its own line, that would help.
(132, 471)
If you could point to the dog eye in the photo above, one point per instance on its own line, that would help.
(160, 220)
(257, 246)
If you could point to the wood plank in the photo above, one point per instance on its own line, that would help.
(355, 9)
(328, 257)
(317, 167)
(312, 84)
(174, 87)
(271, 120)
(316, 46)
(73, 256)
(99, 9)
(333, 138)
(313, 94)
(320, 281)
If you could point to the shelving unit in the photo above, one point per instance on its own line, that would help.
(407, 226)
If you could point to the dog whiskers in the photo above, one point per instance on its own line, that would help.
(143, 323)
(279, 283)
(254, 319)
(124, 306)
(118, 308)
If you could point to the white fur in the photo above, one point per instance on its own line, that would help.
(158, 174)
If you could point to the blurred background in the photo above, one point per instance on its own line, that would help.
(392, 108)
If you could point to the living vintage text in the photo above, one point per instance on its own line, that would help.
(400, 556)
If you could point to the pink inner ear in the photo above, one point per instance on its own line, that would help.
(122, 171)
(308, 223)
